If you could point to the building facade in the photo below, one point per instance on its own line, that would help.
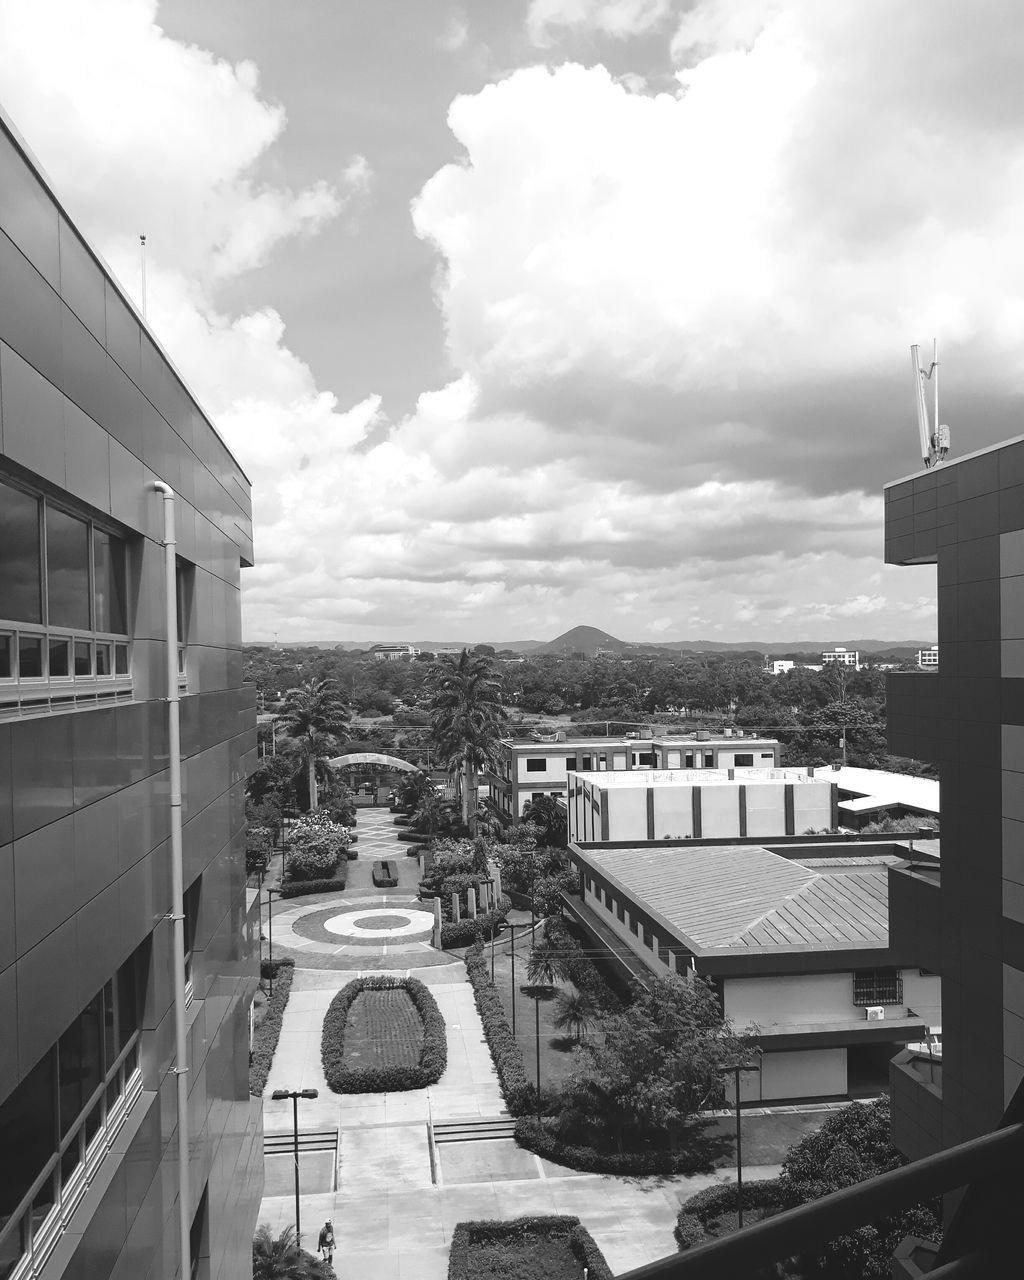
(528, 768)
(966, 921)
(928, 659)
(92, 413)
(840, 657)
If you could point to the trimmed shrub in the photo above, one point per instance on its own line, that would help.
(513, 1237)
(433, 1056)
(463, 933)
(540, 1140)
(698, 1212)
(301, 888)
(267, 1034)
(385, 874)
(507, 1055)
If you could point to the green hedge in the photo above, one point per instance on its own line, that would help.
(433, 1056)
(267, 1034)
(696, 1213)
(512, 1235)
(507, 1055)
(300, 888)
(463, 933)
(540, 1140)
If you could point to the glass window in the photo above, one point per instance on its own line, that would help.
(536, 765)
(83, 658)
(587, 761)
(27, 1126)
(30, 657)
(6, 656)
(67, 569)
(109, 1027)
(184, 574)
(120, 659)
(127, 1003)
(109, 582)
(744, 759)
(570, 764)
(60, 658)
(80, 1063)
(103, 658)
(20, 562)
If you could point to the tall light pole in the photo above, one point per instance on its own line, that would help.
(512, 951)
(279, 1095)
(270, 932)
(735, 1072)
(536, 1019)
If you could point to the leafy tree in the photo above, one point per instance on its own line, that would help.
(466, 717)
(434, 815)
(550, 819)
(546, 963)
(259, 845)
(576, 1012)
(271, 782)
(853, 1144)
(316, 847)
(281, 1258)
(413, 787)
(659, 1062)
(314, 714)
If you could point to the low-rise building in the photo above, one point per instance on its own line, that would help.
(683, 804)
(795, 940)
(928, 659)
(868, 795)
(840, 657)
(394, 652)
(528, 768)
(776, 666)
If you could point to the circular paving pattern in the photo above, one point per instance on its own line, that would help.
(405, 923)
(387, 920)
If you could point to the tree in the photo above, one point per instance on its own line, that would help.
(314, 713)
(259, 845)
(660, 1061)
(466, 716)
(575, 1012)
(550, 819)
(546, 963)
(281, 1258)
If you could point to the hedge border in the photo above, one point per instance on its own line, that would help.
(267, 1034)
(433, 1055)
(301, 888)
(695, 1213)
(542, 1142)
(505, 1050)
(464, 933)
(581, 1242)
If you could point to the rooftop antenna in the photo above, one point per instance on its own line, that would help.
(142, 255)
(934, 442)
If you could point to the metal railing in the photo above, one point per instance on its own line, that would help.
(28, 1236)
(995, 1157)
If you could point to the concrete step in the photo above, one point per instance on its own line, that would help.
(282, 1141)
(474, 1129)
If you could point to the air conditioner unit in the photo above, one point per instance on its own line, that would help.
(875, 1012)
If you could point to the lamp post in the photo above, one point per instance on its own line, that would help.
(536, 1020)
(512, 951)
(270, 931)
(279, 1095)
(735, 1071)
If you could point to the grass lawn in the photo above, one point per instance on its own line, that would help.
(383, 1029)
(539, 1257)
(534, 1248)
(766, 1139)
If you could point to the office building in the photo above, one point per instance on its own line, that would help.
(92, 413)
(528, 768)
(928, 659)
(840, 657)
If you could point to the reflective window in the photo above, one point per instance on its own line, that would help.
(120, 659)
(60, 658)
(109, 582)
(6, 656)
(103, 667)
(20, 561)
(27, 1126)
(67, 569)
(83, 657)
(30, 657)
(80, 1062)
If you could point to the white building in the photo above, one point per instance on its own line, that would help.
(928, 659)
(841, 657)
(778, 665)
(698, 804)
(394, 652)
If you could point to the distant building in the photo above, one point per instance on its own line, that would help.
(795, 940)
(394, 652)
(840, 657)
(655, 804)
(866, 795)
(528, 768)
(928, 659)
(778, 665)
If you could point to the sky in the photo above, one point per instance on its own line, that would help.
(524, 314)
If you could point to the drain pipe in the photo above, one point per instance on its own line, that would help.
(177, 877)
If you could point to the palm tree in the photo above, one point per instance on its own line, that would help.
(282, 1259)
(466, 716)
(575, 1012)
(313, 713)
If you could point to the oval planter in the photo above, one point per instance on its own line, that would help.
(383, 1079)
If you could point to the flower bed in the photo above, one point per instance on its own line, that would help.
(329, 884)
(398, 1074)
(557, 1247)
(267, 1034)
(463, 933)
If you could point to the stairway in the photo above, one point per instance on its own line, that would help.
(282, 1141)
(473, 1129)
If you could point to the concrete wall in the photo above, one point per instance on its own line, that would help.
(800, 999)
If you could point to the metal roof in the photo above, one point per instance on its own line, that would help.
(746, 896)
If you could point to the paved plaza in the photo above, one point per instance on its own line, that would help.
(399, 1196)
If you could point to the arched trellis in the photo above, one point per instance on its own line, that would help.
(372, 757)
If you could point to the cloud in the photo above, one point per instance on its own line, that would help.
(617, 18)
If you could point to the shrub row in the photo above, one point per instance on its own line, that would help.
(507, 1055)
(463, 933)
(433, 1055)
(267, 1034)
(696, 1213)
(536, 1138)
(512, 1236)
(326, 884)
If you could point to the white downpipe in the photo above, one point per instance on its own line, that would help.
(177, 877)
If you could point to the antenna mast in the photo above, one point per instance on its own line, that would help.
(142, 255)
(934, 440)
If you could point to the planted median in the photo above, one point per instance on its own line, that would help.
(383, 1035)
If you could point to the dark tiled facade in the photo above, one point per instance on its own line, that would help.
(91, 413)
(967, 518)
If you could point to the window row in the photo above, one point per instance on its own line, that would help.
(58, 569)
(28, 655)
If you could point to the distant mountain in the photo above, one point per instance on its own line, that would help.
(518, 646)
(583, 640)
(792, 646)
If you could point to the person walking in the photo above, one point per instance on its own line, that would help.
(326, 1242)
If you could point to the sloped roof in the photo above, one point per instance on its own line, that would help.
(746, 896)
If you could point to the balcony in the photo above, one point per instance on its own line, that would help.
(915, 929)
(915, 1088)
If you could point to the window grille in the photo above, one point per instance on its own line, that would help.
(877, 986)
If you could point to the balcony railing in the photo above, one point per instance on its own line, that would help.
(997, 1159)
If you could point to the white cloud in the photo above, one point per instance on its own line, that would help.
(617, 18)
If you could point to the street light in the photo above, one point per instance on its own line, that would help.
(270, 931)
(735, 1070)
(512, 950)
(279, 1095)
